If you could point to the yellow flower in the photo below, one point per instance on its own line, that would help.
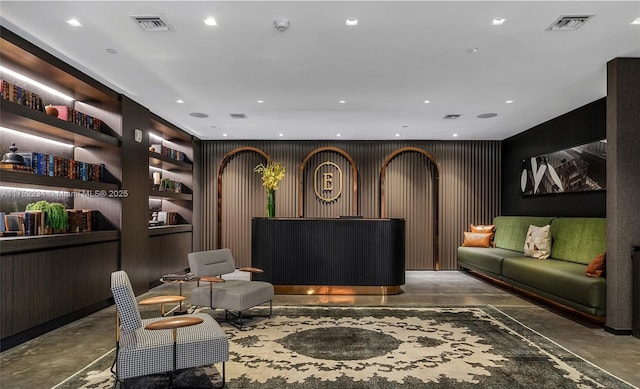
(271, 174)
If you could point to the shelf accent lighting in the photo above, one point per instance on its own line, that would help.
(35, 83)
(35, 137)
(156, 137)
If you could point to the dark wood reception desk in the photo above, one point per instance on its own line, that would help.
(329, 256)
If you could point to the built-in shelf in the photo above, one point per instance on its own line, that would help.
(170, 195)
(15, 244)
(28, 180)
(163, 162)
(38, 123)
(173, 229)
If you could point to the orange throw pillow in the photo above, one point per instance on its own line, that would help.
(477, 239)
(597, 266)
(485, 228)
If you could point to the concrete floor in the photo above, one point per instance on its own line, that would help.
(49, 359)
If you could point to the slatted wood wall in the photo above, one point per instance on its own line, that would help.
(468, 191)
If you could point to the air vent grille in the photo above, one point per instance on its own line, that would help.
(452, 116)
(151, 23)
(238, 115)
(569, 23)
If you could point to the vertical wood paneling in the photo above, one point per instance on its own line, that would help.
(409, 194)
(469, 190)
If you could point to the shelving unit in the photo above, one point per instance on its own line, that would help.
(47, 279)
(170, 244)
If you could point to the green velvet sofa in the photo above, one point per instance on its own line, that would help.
(561, 278)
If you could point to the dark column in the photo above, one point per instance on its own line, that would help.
(623, 186)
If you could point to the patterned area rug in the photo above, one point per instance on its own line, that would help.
(349, 348)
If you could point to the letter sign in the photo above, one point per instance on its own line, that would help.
(327, 191)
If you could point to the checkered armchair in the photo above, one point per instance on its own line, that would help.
(142, 352)
(234, 296)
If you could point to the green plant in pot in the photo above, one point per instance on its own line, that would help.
(55, 214)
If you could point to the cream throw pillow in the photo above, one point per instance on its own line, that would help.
(538, 242)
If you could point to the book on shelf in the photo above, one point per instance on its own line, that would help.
(14, 225)
(178, 277)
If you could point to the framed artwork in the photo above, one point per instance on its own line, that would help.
(576, 169)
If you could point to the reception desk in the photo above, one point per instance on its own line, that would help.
(329, 256)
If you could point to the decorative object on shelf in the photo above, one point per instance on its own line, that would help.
(51, 110)
(156, 180)
(12, 157)
(56, 217)
(272, 174)
(165, 184)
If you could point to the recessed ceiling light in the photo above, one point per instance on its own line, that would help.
(180, 101)
(473, 50)
(509, 101)
(397, 135)
(455, 135)
(342, 101)
(487, 115)
(260, 101)
(281, 135)
(352, 22)
(498, 21)
(405, 126)
(338, 135)
(199, 115)
(210, 21)
(637, 21)
(74, 23)
(225, 134)
(427, 101)
(112, 51)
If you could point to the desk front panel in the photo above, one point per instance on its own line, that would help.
(329, 252)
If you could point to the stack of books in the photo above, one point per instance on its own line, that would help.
(178, 277)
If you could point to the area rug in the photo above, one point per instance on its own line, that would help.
(376, 348)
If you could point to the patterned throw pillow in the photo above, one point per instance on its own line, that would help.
(538, 242)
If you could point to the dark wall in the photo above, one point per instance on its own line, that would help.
(582, 125)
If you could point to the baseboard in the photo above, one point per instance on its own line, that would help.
(616, 331)
(40, 329)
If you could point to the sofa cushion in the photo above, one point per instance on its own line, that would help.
(559, 278)
(578, 239)
(477, 239)
(537, 244)
(511, 231)
(487, 260)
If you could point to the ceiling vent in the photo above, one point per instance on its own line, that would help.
(452, 116)
(238, 115)
(569, 23)
(151, 23)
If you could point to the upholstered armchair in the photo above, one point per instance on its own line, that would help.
(160, 345)
(234, 296)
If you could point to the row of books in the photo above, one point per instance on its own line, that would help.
(164, 219)
(21, 96)
(79, 118)
(55, 166)
(31, 223)
(169, 152)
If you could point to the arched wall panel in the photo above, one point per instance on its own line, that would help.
(469, 184)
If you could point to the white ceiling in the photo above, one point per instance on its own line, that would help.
(399, 55)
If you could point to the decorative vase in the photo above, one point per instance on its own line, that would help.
(271, 203)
